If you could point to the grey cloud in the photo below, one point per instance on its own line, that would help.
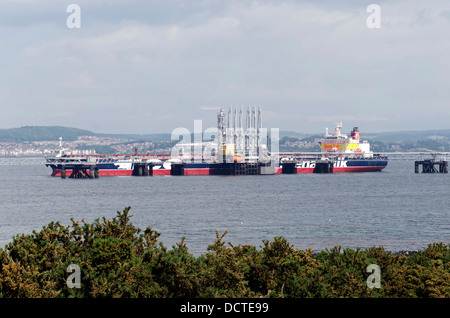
(147, 66)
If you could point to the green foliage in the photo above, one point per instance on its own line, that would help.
(119, 260)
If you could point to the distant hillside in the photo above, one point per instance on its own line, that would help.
(40, 133)
(287, 133)
(436, 140)
(409, 136)
(43, 133)
(425, 140)
(140, 137)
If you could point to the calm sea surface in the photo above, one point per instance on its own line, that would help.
(395, 208)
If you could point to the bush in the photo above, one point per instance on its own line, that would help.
(119, 260)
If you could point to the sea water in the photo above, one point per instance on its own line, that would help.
(395, 208)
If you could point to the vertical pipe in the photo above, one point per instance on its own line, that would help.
(259, 131)
(230, 125)
(240, 135)
(247, 132)
(234, 129)
(221, 133)
(253, 132)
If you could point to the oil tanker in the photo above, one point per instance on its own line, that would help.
(235, 150)
(344, 153)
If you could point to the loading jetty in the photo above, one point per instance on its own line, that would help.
(431, 166)
(241, 146)
(80, 171)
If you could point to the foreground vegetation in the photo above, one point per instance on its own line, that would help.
(116, 259)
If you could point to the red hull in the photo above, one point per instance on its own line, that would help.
(206, 171)
(156, 172)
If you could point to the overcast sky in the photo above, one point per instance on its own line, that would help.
(142, 66)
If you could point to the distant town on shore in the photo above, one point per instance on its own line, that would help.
(44, 141)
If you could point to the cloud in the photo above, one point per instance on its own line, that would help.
(300, 61)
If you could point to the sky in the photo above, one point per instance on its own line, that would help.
(146, 66)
